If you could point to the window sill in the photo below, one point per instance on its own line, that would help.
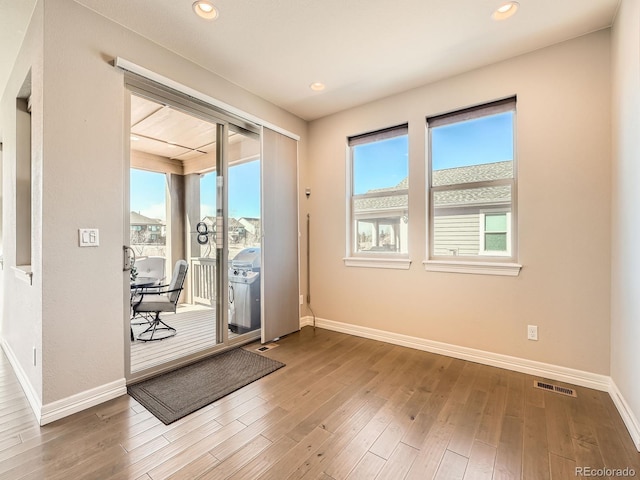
(370, 262)
(478, 268)
(24, 273)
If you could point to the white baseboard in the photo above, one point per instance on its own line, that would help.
(530, 367)
(32, 396)
(81, 401)
(53, 411)
(628, 417)
(539, 369)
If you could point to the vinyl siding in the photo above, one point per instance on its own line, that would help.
(460, 233)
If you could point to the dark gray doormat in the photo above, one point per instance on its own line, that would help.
(176, 394)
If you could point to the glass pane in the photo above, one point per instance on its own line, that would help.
(208, 206)
(495, 222)
(381, 165)
(457, 222)
(387, 238)
(244, 234)
(365, 236)
(473, 151)
(161, 136)
(244, 206)
(381, 223)
(148, 215)
(382, 235)
(495, 242)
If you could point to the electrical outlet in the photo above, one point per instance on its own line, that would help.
(301, 299)
(532, 332)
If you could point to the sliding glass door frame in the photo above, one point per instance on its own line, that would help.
(224, 122)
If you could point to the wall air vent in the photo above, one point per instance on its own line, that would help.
(570, 392)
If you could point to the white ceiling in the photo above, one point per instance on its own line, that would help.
(361, 49)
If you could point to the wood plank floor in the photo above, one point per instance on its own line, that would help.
(343, 408)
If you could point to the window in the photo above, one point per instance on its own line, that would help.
(472, 183)
(495, 233)
(379, 207)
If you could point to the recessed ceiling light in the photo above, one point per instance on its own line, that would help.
(205, 9)
(505, 11)
(317, 86)
(134, 138)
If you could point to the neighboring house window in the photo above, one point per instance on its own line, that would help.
(379, 207)
(473, 183)
(495, 233)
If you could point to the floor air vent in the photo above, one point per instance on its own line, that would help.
(266, 347)
(570, 392)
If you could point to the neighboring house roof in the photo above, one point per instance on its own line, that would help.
(473, 196)
(485, 172)
(136, 218)
(449, 176)
(232, 224)
(252, 225)
(474, 173)
(384, 202)
(389, 202)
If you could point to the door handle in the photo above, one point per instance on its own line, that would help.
(129, 258)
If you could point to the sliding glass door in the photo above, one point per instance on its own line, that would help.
(244, 234)
(194, 197)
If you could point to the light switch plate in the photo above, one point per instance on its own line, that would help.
(88, 237)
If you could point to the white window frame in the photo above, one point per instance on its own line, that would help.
(486, 263)
(378, 259)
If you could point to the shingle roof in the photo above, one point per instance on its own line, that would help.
(136, 218)
(473, 173)
(473, 196)
(382, 203)
(449, 176)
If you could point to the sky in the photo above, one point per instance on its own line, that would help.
(384, 164)
(483, 140)
(147, 195)
(376, 165)
(380, 164)
(244, 191)
(148, 192)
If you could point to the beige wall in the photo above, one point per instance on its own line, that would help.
(625, 281)
(82, 291)
(563, 155)
(75, 308)
(21, 328)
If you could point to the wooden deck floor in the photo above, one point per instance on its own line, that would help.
(343, 408)
(196, 331)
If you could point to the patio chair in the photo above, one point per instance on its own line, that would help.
(151, 301)
(150, 270)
